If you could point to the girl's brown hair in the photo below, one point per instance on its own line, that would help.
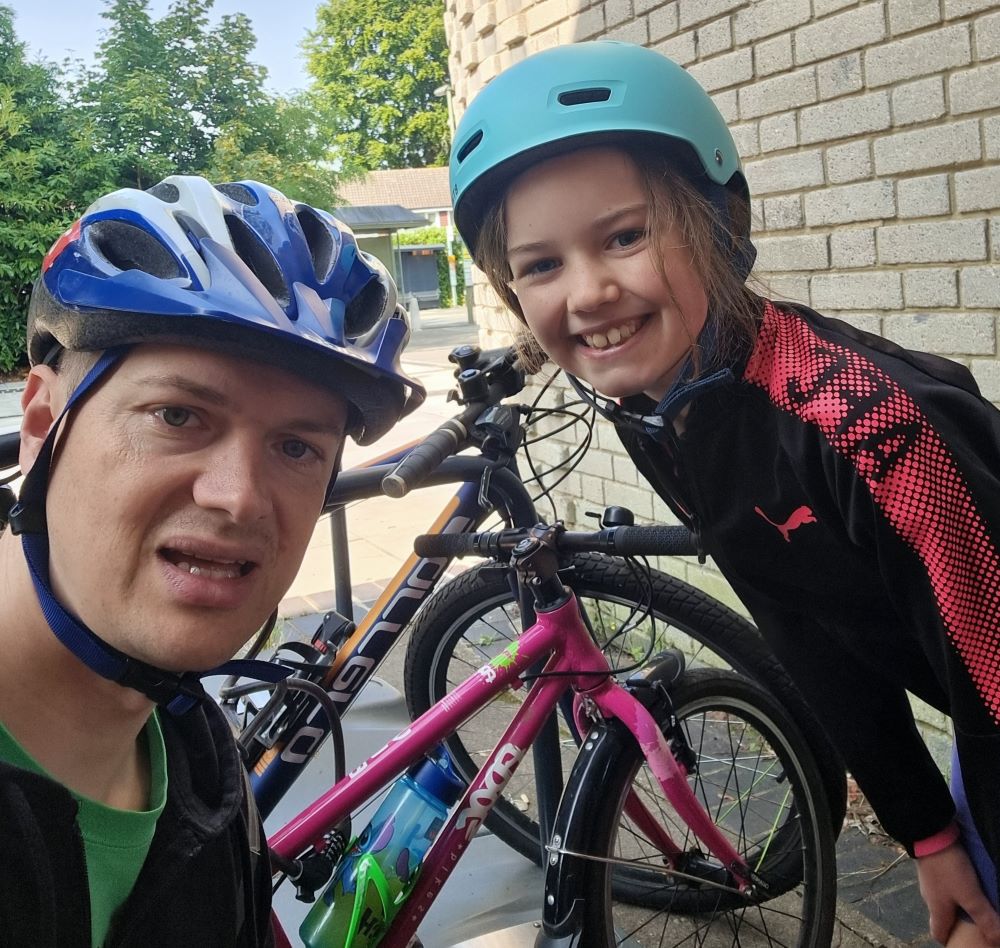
(674, 203)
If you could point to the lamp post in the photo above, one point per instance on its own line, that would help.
(444, 90)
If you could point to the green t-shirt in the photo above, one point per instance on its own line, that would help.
(116, 842)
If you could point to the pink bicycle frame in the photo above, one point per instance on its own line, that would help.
(574, 659)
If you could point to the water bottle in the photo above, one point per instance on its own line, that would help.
(380, 867)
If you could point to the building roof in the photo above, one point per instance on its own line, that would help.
(415, 188)
(378, 217)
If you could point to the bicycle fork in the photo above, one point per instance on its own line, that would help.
(571, 847)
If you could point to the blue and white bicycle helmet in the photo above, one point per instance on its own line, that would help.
(236, 268)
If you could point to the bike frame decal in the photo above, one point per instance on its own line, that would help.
(279, 766)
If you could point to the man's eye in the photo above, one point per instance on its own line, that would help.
(295, 449)
(174, 416)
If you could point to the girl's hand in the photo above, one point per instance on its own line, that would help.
(948, 882)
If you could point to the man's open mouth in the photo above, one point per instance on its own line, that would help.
(201, 566)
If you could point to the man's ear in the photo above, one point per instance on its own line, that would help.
(41, 403)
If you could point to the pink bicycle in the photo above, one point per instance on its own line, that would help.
(695, 813)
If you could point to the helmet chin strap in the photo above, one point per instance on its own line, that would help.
(658, 424)
(610, 409)
(179, 691)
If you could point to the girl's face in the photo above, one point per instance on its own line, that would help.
(584, 273)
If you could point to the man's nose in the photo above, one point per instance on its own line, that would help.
(234, 480)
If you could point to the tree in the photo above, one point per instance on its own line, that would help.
(163, 90)
(377, 64)
(286, 146)
(50, 170)
(176, 96)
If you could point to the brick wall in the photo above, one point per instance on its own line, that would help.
(870, 135)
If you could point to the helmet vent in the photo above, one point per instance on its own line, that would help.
(319, 241)
(238, 192)
(469, 146)
(585, 96)
(251, 250)
(365, 310)
(165, 192)
(129, 247)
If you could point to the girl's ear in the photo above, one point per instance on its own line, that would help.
(41, 403)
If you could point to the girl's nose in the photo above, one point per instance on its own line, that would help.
(591, 286)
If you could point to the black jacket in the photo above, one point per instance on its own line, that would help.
(849, 490)
(199, 884)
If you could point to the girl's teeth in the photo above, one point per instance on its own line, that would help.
(615, 336)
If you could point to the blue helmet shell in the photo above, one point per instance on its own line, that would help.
(238, 268)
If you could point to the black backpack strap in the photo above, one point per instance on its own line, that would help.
(251, 817)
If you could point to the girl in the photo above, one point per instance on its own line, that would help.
(848, 489)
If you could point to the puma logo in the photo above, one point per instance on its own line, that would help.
(798, 517)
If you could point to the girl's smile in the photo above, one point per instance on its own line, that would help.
(613, 336)
(585, 273)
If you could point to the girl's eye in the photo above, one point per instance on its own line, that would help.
(174, 416)
(535, 269)
(628, 237)
(543, 266)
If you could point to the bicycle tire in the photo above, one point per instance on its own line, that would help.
(480, 604)
(759, 780)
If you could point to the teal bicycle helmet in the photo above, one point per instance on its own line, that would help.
(589, 94)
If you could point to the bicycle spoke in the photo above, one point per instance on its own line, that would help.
(742, 780)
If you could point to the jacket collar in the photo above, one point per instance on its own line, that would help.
(686, 386)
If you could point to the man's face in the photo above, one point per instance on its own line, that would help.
(182, 499)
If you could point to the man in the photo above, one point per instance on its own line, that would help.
(199, 355)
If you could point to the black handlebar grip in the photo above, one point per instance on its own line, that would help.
(654, 541)
(425, 458)
(445, 545)
(10, 448)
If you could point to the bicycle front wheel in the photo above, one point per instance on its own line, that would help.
(760, 784)
(471, 619)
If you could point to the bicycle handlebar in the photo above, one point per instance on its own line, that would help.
(427, 456)
(10, 447)
(617, 541)
(485, 379)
